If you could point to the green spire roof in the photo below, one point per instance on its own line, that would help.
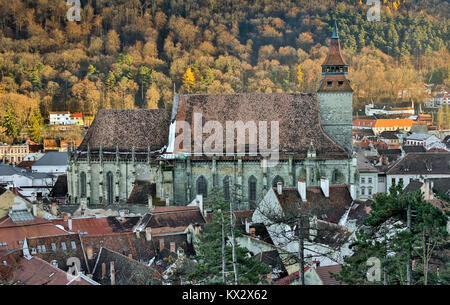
(335, 31)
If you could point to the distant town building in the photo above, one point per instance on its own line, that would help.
(60, 118)
(389, 109)
(52, 163)
(77, 119)
(425, 140)
(13, 153)
(392, 124)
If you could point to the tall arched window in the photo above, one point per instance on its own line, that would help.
(83, 185)
(226, 188)
(252, 191)
(202, 186)
(276, 180)
(110, 187)
(335, 177)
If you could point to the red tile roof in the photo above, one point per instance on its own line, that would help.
(11, 235)
(324, 274)
(100, 225)
(36, 271)
(290, 278)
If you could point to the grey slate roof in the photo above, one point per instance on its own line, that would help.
(52, 158)
(422, 163)
(9, 170)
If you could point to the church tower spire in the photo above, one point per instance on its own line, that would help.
(335, 95)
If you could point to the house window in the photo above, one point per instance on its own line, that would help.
(369, 180)
(63, 246)
(252, 191)
(20, 242)
(340, 83)
(363, 180)
(3, 244)
(363, 190)
(41, 248)
(380, 179)
(226, 188)
(393, 180)
(53, 247)
(369, 191)
(74, 246)
(202, 186)
(276, 180)
(329, 83)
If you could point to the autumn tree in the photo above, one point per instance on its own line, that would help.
(188, 80)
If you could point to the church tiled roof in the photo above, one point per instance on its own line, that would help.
(127, 127)
(297, 114)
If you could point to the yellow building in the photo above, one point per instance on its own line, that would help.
(13, 153)
(391, 125)
(77, 119)
(87, 119)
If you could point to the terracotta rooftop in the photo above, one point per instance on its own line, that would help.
(334, 57)
(297, 114)
(13, 234)
(37, 271)
(330, 209)
(324, 274)
(100, 225)
(394, 123)
(142, 128)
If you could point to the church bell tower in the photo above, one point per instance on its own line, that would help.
(336, 95)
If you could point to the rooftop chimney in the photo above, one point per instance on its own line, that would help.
(113, 274)
(150, 202)
(279, 188)
(103, 270)
(34, 209)
(55, 263)
(69, 223)
(172, 247)
(66, 217)
(130, 256)
(161, 244)
(247, 226)
(148, 234)
(252, 231)
(167, 201)
(54, 209)
(325, 186)
(301, 187)
(353, 191)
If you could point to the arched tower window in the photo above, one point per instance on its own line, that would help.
(276, 180)
(83, 185)
(110, 187)
(226, 188)
(202, 186)
(252, 191)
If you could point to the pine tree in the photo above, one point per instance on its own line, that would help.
(9, 123)
(188, 80)
(425, 239)
(37, 122)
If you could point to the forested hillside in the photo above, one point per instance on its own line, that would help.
(133, 53)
